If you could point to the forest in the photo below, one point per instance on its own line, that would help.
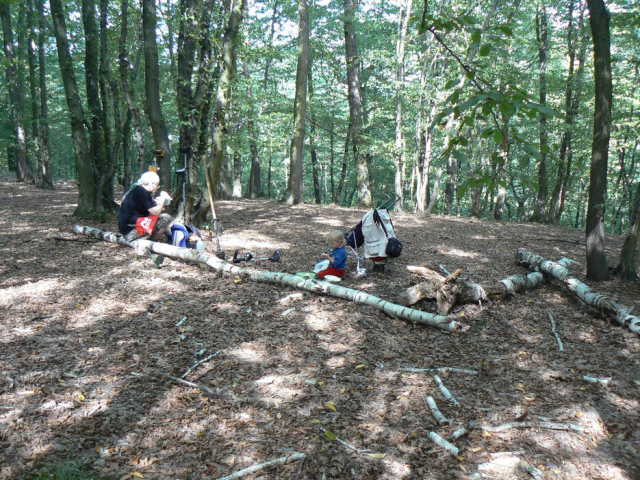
(493, 126)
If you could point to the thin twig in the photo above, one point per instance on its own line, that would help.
(437, 414)
(450, 447)
(445, 391)
(260, 466)
(602, 381)
(199, 362)
(439, 369)
(554, 331)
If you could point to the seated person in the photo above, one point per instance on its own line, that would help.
(337, 256)
(139, 211)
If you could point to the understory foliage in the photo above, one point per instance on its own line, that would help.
(467, 108)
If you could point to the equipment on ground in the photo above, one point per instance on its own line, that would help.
(239, 256)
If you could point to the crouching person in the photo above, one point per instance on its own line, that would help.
(140, 214)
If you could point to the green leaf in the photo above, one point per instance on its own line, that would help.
(507, 109)
(476, 36)
(497, 136)
(330, 435)
(506, 29)
(485, 49)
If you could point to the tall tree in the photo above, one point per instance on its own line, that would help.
(364, 197)
(542, 36)
(596, 257)
(24, 172)
(296, 164)
(403, 25)
(223, 95)
(573, 91)
(152, 90)
(132, 118)
(46, 172)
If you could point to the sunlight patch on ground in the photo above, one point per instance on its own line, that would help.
(395, 469)
(277, 389)
(27, 292)
(252, 352)
(248, 240)
(484, 238)
(319, 322)
(332, 222)
(336, 362)
(458, 253)
(291, 298)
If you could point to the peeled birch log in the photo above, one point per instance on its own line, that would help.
(311, 285)
(558, 270)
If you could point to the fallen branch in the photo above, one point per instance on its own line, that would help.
(555, 332)
(199, 362)
(311, 285)
(568, 427)
(459, 433)
(600, 381)
(437, 414)
(438, 369)
(450, 447)
(260, 466)
(445, 391)
(332, 436)
(602, 303)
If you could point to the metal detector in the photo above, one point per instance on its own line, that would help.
(238, 257)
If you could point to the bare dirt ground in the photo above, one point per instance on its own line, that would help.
(90, 333)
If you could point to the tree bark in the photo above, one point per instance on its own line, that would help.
(315, 164)
(87, 198)
(223, 96)
(572, 95)
(627, 264)
(597, 268)
(355, 105)
(24, 172)
(542, 36)
(296, 164)
(43, 130)
(152, 90)
(399, 157)
(254, 186)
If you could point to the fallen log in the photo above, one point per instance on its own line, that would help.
(316, 286)
(558, 271)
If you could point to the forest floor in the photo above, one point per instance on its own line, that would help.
(90, 333)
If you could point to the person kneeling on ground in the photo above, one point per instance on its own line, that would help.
(337, 256)
(186, 236)
(140, 214)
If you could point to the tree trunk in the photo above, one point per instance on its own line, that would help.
(355, 105)
(236, 192)
(315, 164)
(106, 164)
(152, 90)
(24, 172)
(627, 264)
(296, 164)
(254, 188)
(399, 157)
(223, 96)
(597, 269)
(46, 173)
(87, 206)
(98, 146)
(542, 36)
(133, 117)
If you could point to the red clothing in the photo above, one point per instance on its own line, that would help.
(336, 272)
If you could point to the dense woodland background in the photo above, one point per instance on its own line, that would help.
(524, 111)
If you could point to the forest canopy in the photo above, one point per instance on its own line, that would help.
(466, 108)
